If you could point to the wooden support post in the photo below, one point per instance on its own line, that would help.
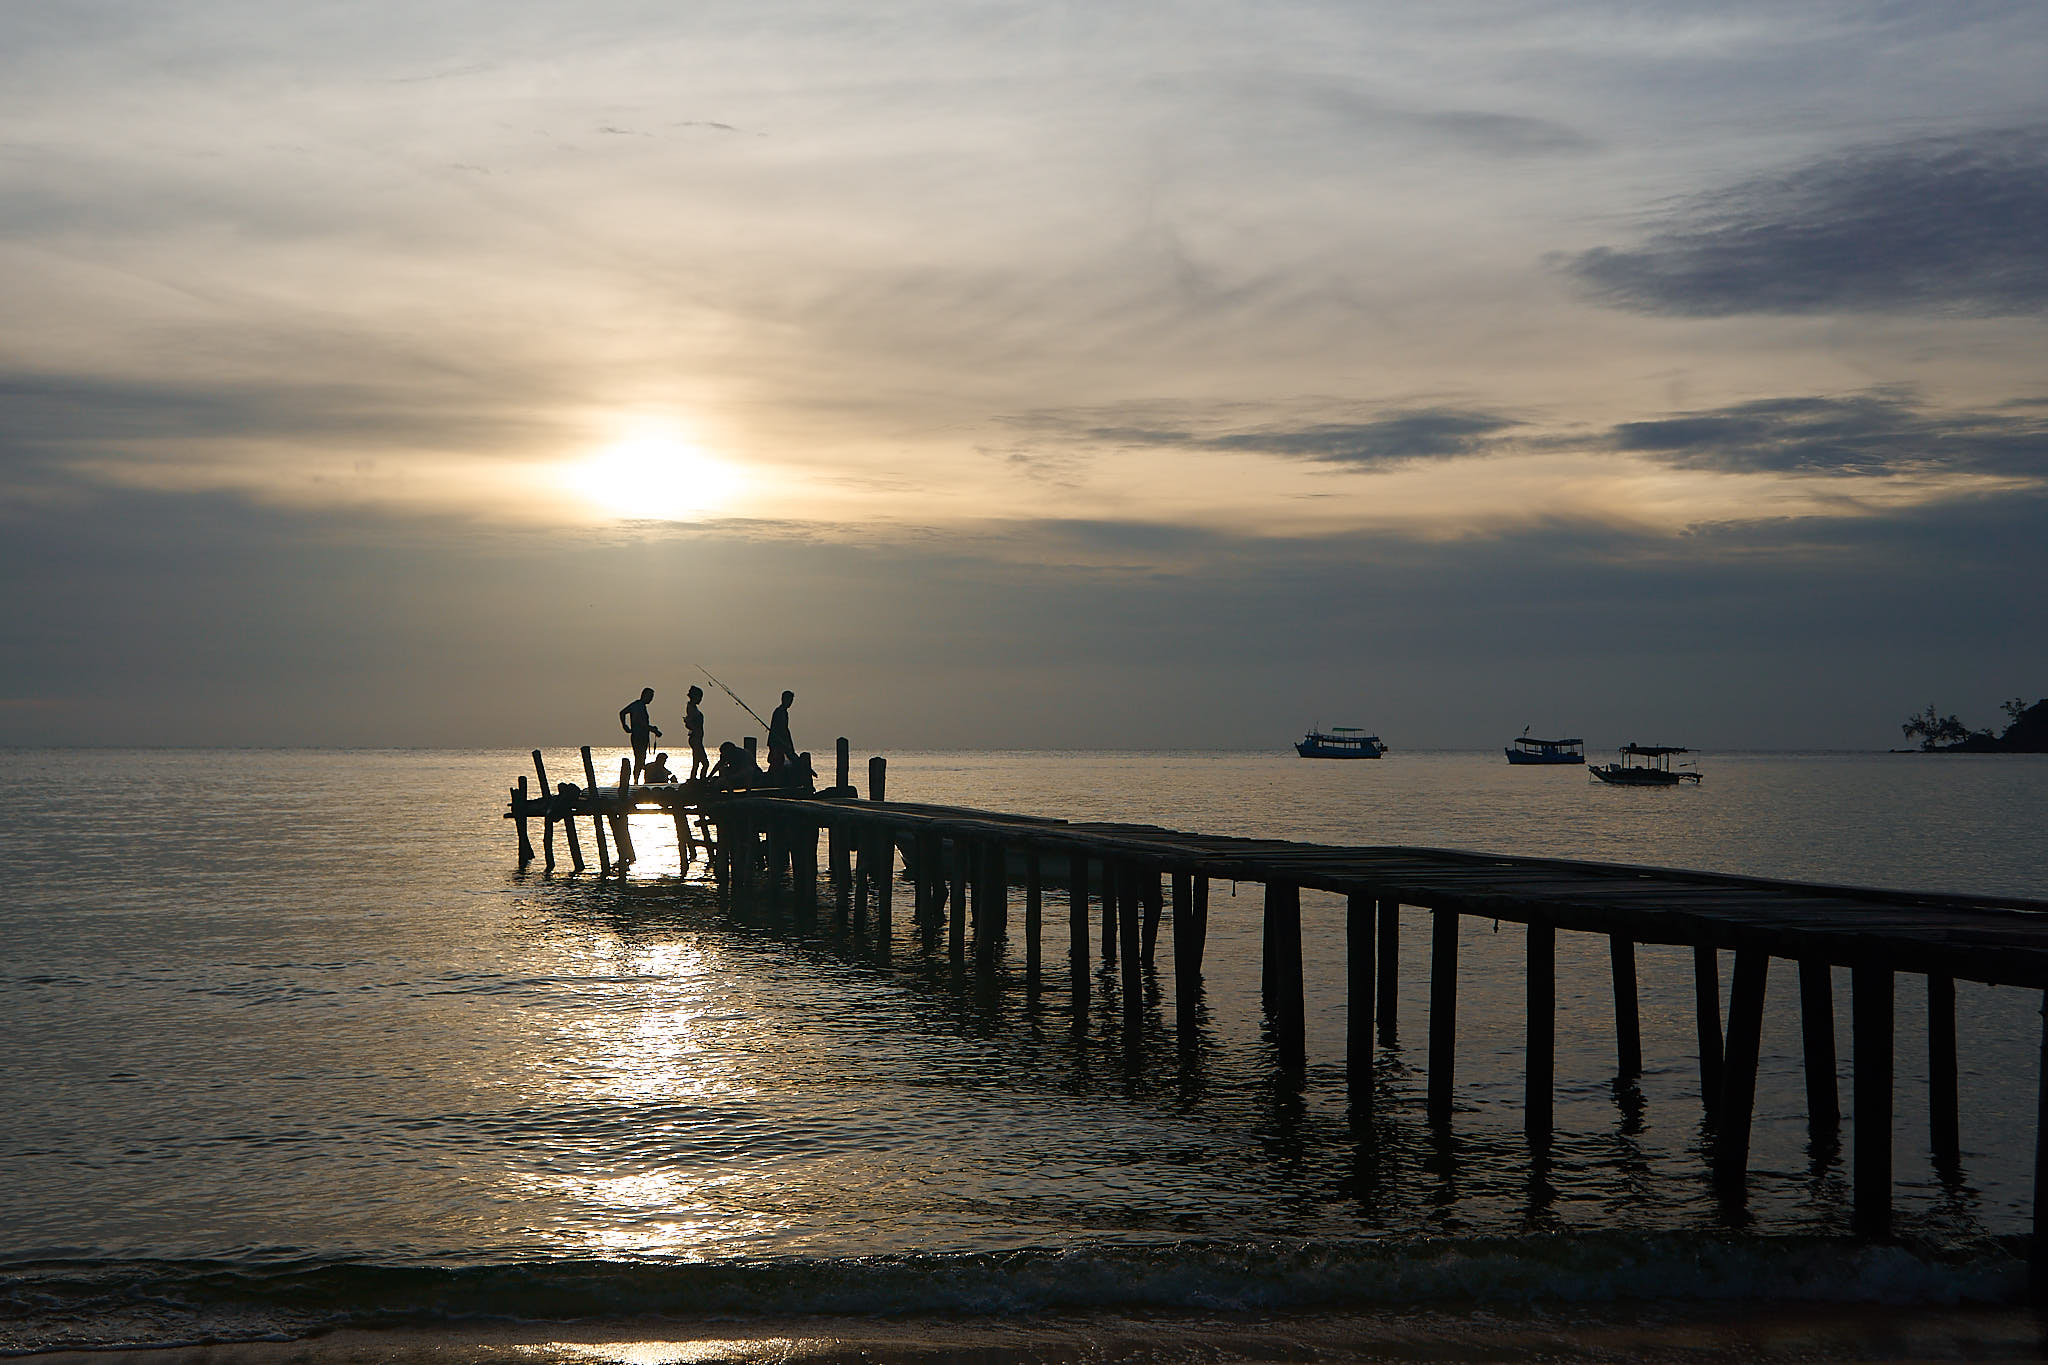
(1817, 1029)
(862, 843)
(1871, 1027)
(931, 879)
(1706, 998)
(1628, 1029)
(995, 873)
(878, 778)
(1269, 949)
(803, 864)
(1944, 1132)
(839, 844)
(565, 796)
(959, 897)
(622, 823)
(1110, 874)
(547, 815)
(885, 891)
(1077, 931)
(736, 838)
(1390, 970)
(838, 860)
(977, 892)
(519, 821)
(1199, 940)
(1033, 913)
(604, 853)
(1283, 949)
(1738, 1072)
(843, 767)
(1443, 1013)
(1187, 969)
(1539, 1079)
(1360, 938)
(1127, 899)
(1148, 889)
(771, 856)
(2037, 1251)
(925, 881)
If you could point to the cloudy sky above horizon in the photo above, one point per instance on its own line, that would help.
(1022, 374)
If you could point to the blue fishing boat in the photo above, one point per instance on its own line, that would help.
(1546, 751)
(1341, 741)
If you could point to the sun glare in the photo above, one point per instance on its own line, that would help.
(654, 477)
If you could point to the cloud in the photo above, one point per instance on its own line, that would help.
(1949, 225)
(1872, 434)
(58, 418)
(1393, 437)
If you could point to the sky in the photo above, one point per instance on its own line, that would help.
(1022, 375)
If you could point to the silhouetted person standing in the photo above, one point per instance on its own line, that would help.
(693, 726)
(633, 720)
(781, 748)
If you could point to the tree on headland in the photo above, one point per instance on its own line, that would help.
(1936, 731)
(2026, 732)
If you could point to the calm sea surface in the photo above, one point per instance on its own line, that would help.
(292, 1044)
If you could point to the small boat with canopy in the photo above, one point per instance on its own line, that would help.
(1646, 765)
(1340, 741)
(1526, 750)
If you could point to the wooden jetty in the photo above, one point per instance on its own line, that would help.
(960, 867)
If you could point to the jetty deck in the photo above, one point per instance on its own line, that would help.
(961, 867)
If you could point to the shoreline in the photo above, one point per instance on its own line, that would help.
(1697, 1334)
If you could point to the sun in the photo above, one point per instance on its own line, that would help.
(654, 476)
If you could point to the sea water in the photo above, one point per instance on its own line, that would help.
(294, 1046)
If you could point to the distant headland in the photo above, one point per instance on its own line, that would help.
(2026, 732)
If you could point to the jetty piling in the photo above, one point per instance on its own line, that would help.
(961, 867)
(1817, 1037)
(604, 857)
(1628, 1028)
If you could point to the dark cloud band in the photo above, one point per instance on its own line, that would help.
(1945, 225)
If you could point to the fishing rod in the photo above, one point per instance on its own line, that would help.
(734, 695)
